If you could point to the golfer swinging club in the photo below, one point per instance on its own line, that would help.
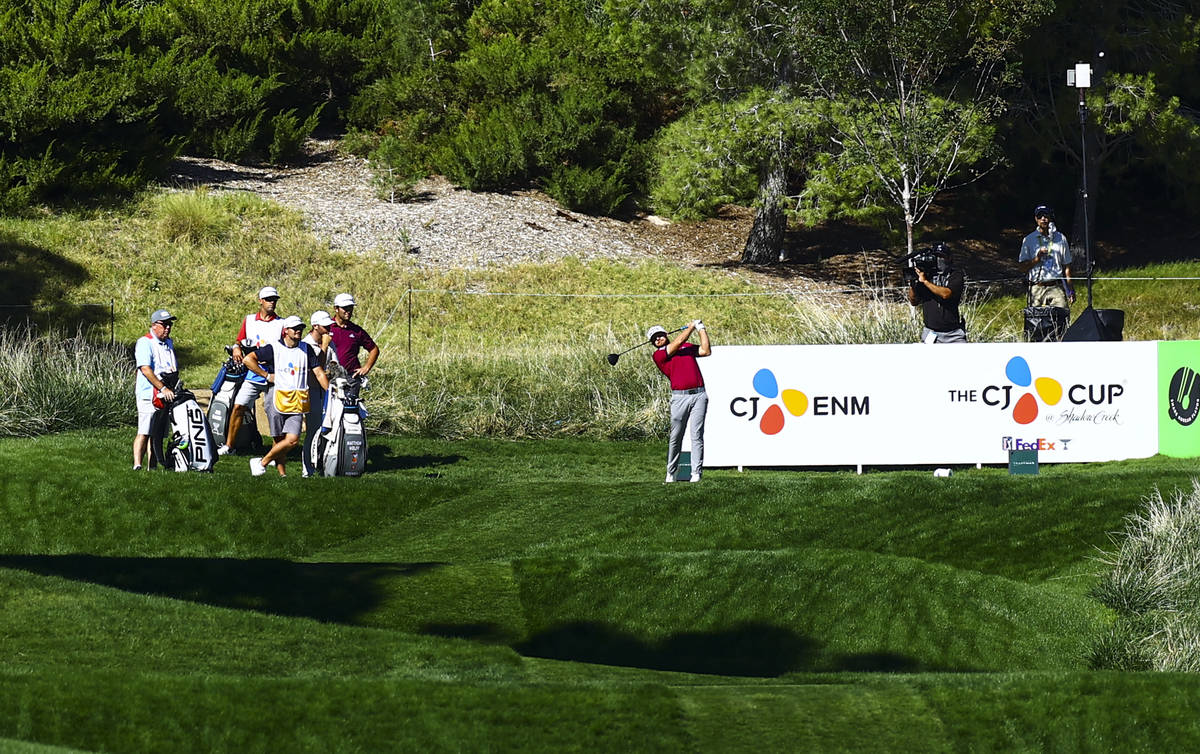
(677, 360)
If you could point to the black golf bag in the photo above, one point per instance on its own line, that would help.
(224, 390)
(180, 439)
(1045, 323)
(339, 447)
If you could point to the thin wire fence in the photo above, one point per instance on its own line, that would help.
(409, 305)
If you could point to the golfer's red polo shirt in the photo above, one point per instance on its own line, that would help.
(681, 369)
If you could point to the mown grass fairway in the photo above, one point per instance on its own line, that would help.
(554, 595)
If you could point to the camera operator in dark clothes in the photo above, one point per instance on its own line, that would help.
(937, 287)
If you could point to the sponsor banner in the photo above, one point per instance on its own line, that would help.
(1179, 401)
(923, 404)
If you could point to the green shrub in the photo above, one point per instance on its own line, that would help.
(359, 143)
(289, 134)
(492, 150)
(192, 217)
(399, 162)
(598, 191)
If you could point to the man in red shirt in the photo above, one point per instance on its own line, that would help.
(258, 329)
(677, 360)
(349, 338)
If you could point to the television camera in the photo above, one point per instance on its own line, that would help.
(929, 260)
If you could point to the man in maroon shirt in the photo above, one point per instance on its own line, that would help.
(349, 338)
(677, 360)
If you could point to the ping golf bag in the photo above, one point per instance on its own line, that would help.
(339, 447)
(180, 439)
(224, 390)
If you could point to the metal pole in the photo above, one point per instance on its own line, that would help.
(410, 321)
(1087, 248)
(112, 322)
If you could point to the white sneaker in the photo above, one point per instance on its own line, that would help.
(695, 478)
(272, 463)
(256, 467)
(224, 450)
(670, 478)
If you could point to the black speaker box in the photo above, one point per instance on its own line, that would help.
(1097, 324)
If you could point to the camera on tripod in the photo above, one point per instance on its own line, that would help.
(928, 260)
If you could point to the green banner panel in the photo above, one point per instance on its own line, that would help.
(1179, 398)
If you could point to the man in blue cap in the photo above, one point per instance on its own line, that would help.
(1046, 261)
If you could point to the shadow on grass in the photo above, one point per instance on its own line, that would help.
(383, 458)
(752, 649)
(328, 592)
(35, 288)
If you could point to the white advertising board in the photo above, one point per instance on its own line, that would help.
(930, 404)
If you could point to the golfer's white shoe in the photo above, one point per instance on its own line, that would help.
(670, 478)
(224, 450)
(256, 467)
(695, 478)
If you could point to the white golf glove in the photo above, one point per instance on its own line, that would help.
(698, 324)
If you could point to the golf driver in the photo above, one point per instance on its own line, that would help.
(612, 357)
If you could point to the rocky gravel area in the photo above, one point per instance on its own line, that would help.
(443, 226)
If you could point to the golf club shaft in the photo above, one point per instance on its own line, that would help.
(644, 342)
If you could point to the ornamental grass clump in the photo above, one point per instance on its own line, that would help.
(55, 383)
(1154, 587)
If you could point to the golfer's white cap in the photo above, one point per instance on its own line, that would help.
(161, 315)
(655, 331)
(343, 300)
(292, 321)
(268, 292)
(320, 317)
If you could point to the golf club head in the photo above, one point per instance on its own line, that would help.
(612, 358)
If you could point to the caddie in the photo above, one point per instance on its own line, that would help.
(258, 329)
(157, 371)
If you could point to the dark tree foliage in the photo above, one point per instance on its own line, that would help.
(793, 106)
(1143, 111)
(97, 96)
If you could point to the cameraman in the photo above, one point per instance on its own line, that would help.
(938, 288)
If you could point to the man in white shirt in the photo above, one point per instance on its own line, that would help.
(157, 372)
(287, 365)
(1046, 260)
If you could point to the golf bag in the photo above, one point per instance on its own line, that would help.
(224, 390)
(1045, 323)
(339, 447)
(182, 428)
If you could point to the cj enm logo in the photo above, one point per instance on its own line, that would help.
(796, 402)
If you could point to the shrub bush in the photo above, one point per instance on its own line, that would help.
(289, 135)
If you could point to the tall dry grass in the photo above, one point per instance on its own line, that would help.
(53, 383)
(1153, 585)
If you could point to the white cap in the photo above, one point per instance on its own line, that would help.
(320, 317)
(268, 292)
(343, 300)
(161, 315)
(292, 321)
(655, 331)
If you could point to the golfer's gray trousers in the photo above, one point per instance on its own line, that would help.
(687, 411)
